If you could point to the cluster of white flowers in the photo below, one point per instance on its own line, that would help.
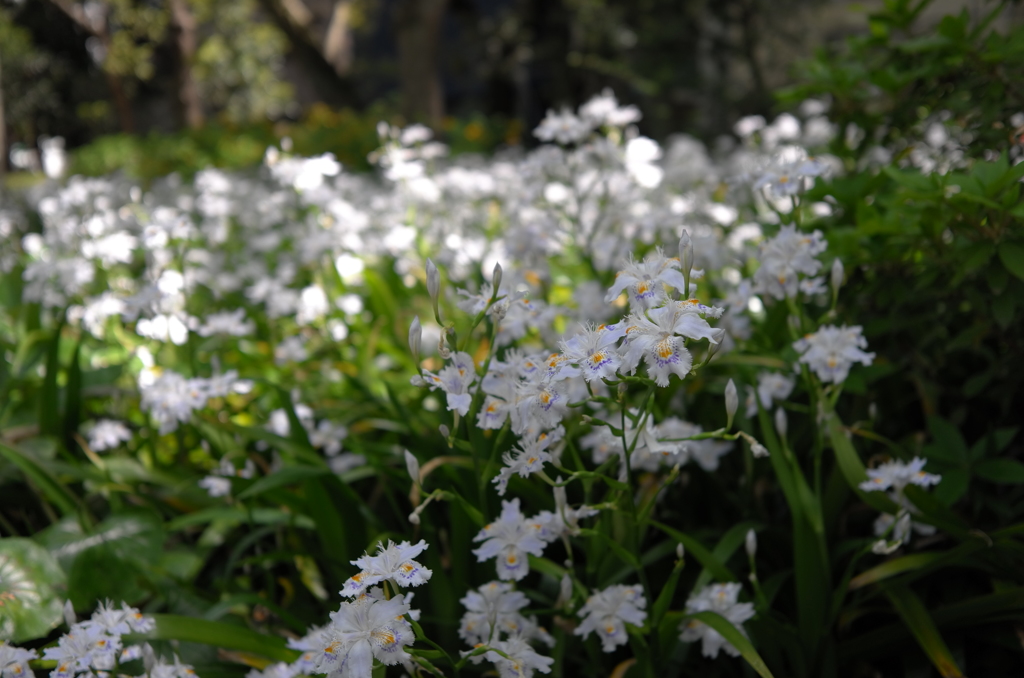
(171, 398)
(94, 645)
(894, 476)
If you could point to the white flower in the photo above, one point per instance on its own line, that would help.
(366, 628)
(455, 380)
(592, 353)
(14, 661)
(563, 127)
(105, 434)
(720, 598)
(509, 539)
(771, 387)
(565, 520)
(831, 351)
(607, 613)
(528, 457)
(492, 610)
(897, 475)
(232, 323)
(522, 659)
(393, 563)
(655, 337)
(784, 258)
(645, 282)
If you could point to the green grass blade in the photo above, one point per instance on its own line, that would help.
(913, 613)
(704, 556)
(219, 634)
(735, 637)
(853, 469)
(52, 488)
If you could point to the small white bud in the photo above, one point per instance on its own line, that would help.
(433, 280)
(445, 432)
(781, 422)
(686, 257)
(564, 591)
(732, 402)
(884, 548)
(148, 657)
(758, 449)
(412, 465)
(415, 337)
(496, 278)
(680, 551)
(442, 345)
(69, 614)
(751, 543)
(715, 342)
(837, 275)
(414, 517)
(873, 411)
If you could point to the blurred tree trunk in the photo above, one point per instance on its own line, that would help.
(338, 44)
(418, 32)
(94, 22)
(183, 28)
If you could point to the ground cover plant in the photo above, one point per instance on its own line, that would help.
(607, 407)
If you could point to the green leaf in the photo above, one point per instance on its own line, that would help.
(616, 548)
(947, 437)
(258, 516)
(30, 579)
(1012, 256)
(914, 614)
(1005, 471)
(73, 397)
(693, 547)
(853, 469)
(289, 475)
(664, 601)
(218, 634)
(735, 637)
(726, 546)
(49, 405)
(43, 479)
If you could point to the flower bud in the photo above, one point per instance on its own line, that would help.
(837, 275)
(686, 257)
(434, 288)
(412, 465)
(714, 343)
(751, 544)
(445, 431)
(148, 658)
(884, 548)
(758, 449)
(732, 402)
(415, 338)
(680, 551)
(69, 614)
(781, 422)
(564, 591)
(496, 280)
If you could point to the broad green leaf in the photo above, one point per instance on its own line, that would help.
(947, 437)
(853, 469)
(1005, 471)
(31, 590)
(914, 614)
(218, 634)
(289, 475)
(735, 637)
(1012, 256)
(52, 488)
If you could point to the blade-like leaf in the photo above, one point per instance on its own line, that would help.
(218, 634)
(735, 637)
(913, 613)
(47, 484)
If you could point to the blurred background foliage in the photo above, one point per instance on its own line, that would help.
(160, 69)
